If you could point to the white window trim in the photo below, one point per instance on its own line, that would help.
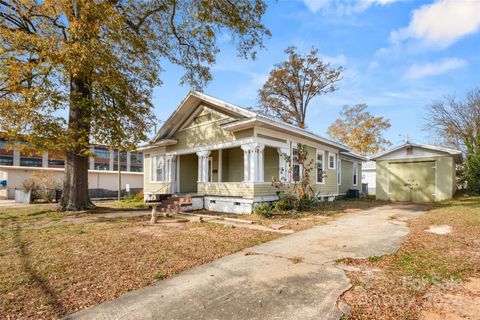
(355, 173)
(322, 152)
(300, 168)
(334, 160)
(339, 171)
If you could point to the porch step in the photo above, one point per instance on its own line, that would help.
(173, 205)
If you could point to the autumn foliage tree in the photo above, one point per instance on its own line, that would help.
(73, 71)
(456, 122)
(360, 130)
(293, 84)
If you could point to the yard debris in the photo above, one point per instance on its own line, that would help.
(277, 226)
(346, 267)
(345, 308)
(296, 259)
(442, 229)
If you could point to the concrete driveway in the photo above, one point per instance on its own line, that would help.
(293, 277)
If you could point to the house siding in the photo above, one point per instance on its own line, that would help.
(226, 189)
(271, 164)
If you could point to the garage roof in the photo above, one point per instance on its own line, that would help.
(457, 154)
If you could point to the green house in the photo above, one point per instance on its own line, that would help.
(225, 157)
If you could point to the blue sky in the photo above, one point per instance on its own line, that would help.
(399, 56)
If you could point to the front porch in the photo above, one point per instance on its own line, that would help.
(244, 171)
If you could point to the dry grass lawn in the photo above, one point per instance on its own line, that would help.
(47, 271)
(53, 264)
(429, 272)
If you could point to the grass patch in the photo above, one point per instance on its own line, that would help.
(160, 276)
(426, 263)
(130, 204)
(50, 270)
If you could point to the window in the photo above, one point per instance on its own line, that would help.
(409, 150)
(101, 166)
(56, 163)
(136, 168)
(158, 168)
(6, 161)
(331, 160)
(355, 173)
(123, 167)
(295, 166)
(101, 153)
(320, 167)
(30, 162)
(123, 156)
(137, 158)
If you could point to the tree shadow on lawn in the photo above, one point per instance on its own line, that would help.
(50, 297)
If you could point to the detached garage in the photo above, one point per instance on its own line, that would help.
(416, 173)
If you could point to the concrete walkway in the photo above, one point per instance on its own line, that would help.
(293, 277)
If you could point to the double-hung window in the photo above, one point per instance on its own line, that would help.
(295, 166)
(158, 168)
(320, 166)
(355, 173)
(332, 159)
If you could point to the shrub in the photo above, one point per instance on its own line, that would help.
(306, 203)
(139, 196)
(286, 202)
(263, 209)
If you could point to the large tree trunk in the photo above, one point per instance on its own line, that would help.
(75, 184)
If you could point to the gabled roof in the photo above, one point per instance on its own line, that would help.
(245, 119)
(186, 107)
(457, 154)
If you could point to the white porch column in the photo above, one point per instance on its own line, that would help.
(203, 165)
(253, 162)
(260, 163)
(171, 167)
(283, 173)
(246, 162)
(220, 164)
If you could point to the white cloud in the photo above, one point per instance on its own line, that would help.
(344, 7)
(441, 23)
(417, 71)
(340, 60)
(373, 65)
(315, 5)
